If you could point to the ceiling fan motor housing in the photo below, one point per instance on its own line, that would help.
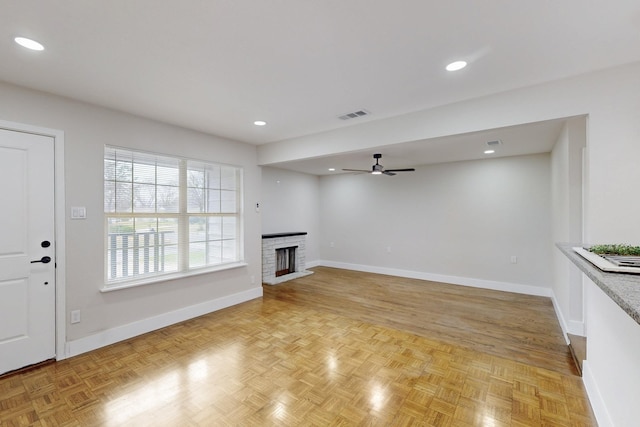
(378, 169)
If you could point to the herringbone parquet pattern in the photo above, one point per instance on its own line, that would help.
(277, 362)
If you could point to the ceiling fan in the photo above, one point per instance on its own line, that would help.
(378, 169)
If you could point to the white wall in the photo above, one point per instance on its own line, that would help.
(290, 202)
(566, 209)
(608, 97)
(462, 220)
(87, 129)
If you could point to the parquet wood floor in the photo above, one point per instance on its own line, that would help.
(515, 326)
(290, 360)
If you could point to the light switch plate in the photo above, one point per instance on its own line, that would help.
(75, 316)
(78, 212)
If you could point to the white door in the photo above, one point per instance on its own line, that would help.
(27, 249)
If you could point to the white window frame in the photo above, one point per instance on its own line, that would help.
(183, 217)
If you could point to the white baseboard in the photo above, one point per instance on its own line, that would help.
(311, 264)
(455, 280)
(120, 333)
(595, 398)
(573, 327)
(561, 320)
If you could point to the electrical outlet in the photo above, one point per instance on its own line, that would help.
(514, 259)
(75, 316)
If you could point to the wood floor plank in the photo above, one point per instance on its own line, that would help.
(325, 350)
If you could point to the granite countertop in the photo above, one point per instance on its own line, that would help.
(623, 289)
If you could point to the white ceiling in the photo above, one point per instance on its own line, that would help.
(218, 65)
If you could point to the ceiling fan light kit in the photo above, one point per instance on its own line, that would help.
(378, 169)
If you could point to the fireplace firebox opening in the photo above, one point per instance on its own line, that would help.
(285, 261)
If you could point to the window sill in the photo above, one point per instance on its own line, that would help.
(166, 277)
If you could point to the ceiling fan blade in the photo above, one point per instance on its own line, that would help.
(356, 170)
(390, 173)
(401, 170)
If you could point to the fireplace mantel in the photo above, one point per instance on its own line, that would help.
(275, 241)
(287, 234)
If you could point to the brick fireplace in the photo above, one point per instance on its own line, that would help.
(283, 257)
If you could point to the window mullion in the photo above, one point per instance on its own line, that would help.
(237, 214)
(183, 221)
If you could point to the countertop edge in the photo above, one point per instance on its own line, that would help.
(623, 289)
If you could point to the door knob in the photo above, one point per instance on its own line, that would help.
(44, 260)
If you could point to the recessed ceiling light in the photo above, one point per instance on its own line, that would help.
(28, 43)
(457, 65)
(259, 123)
(489, 151)
(332, 169)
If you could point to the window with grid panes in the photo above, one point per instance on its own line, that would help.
(168, 215)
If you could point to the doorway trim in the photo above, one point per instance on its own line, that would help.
(59, 223)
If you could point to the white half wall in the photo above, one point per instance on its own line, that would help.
(611, 371)
(459, 220)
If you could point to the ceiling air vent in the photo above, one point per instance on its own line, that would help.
(354, 115)
(494, 143)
